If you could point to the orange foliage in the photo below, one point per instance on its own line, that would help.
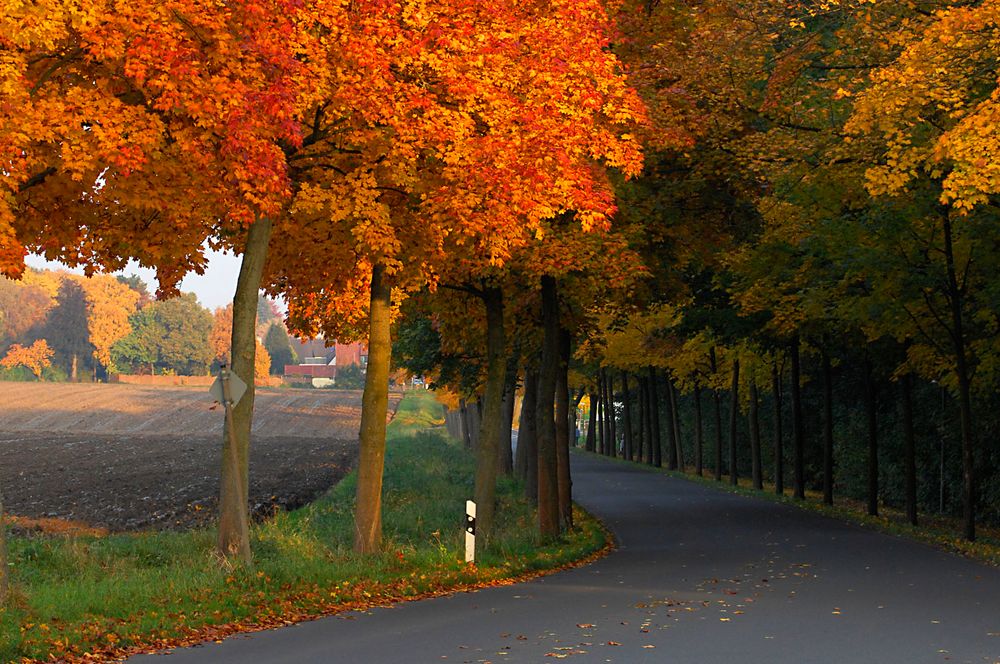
(35, 358)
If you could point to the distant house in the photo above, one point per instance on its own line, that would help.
(321, 361)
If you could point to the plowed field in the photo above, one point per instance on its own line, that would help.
(127, 457)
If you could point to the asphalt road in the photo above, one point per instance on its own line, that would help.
(699, 576)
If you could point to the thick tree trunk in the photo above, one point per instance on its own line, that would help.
(963, 372)
(548, 480)
(654, 420)
(827, 430)
(734, 409)
(755, 464)
(909, 448)
(562, 406)
(629, 450)
(779, 443)
(491, 431)
(234, 516)
(699, 441)
(675, 421)
(527, 437)
(591, 445)
(798, 434)
(374, 408)
(871, 413)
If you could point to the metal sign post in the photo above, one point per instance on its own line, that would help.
(470, 531)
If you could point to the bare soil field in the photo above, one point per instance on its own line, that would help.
(129, 457)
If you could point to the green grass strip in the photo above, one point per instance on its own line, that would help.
(107, 595)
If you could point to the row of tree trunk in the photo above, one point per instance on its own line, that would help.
(632, 404)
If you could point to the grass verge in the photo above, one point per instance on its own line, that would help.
(940, 531)
(107, 596)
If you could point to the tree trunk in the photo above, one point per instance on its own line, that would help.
(608, 410)
(234, 515)
(718, 435)
(591, 446)
(629, 450)
(963, 372)
(612, 416)
(548, 481)
(798, 435)
(491, 431)
(672, 454)
(755, 464)
(463, 409)
(734, 409)
(4, 573)
(562, 404)
(645, 448)
(505, 459)
(827, 430)
(779, 446)
(527, 437)
(872, 417)
(909, 448)
(675, 421)
(654, 420)
(605, 422)
(374, 408)
(699, 461)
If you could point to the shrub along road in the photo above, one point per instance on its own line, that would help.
(700, 576)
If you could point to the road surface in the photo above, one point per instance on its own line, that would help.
(699, 576)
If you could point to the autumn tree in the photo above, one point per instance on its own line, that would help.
(35, 358)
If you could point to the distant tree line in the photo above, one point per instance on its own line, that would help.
(61, 326)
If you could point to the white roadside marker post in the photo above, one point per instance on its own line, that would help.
(470, 531)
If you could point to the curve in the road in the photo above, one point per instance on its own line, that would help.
(700, 576)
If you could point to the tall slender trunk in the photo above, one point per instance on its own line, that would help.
(963, 372)
(548, 481)
(798, 434)
(527, 437)
(605, 422)
(646, 419)
(491, 431)
(627, 414)
(716, 398)
(699, 461)
(909, 448)
(675, 421)
(4, 577)
(827, 430)
(734, 409)
(612, 416)
(871, 413)
(654, 421)
(505, 458)
(463, 409)
(234, 515)
(779, 444)
(592, 422)
(671, 432)
(74, 368)
(374, 408)
(562, 405)
(755, 464)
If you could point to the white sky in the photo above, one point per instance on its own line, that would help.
(214, 289)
